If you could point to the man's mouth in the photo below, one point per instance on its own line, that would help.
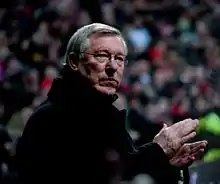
(108, 82)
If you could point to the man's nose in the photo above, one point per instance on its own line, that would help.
(113, 64)
(111, 68)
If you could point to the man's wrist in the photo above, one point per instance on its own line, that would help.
(167, 152)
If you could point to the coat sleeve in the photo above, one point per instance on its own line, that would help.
(151, 159)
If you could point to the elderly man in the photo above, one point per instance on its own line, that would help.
(77, 134)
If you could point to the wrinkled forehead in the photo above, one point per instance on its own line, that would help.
(108, 42)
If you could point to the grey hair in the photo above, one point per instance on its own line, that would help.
(79, 41)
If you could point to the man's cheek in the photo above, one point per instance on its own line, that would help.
(120, 75)
(92, 73)
(87, 69)
(93, 68)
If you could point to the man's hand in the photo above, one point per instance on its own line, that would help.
(172, 138)
(188, 153)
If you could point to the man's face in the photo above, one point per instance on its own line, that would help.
(103, 63)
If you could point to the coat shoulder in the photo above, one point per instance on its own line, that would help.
(42, 118)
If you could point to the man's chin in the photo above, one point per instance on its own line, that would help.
(106, 90)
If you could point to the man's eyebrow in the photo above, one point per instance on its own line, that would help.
(108, 52)
(102, 50)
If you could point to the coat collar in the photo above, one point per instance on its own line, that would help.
(71, 86)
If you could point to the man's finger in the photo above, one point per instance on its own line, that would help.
(192, 158)
(189, 126)
(202, 150)
(195, 155)
(185, 127)
(185, 148)
(180, 123)
(194, 148)
(198, 151)
(188, 137)
(198, 145)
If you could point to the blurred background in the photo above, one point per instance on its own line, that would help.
(173, 71)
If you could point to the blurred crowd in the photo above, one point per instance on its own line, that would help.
(174, 56)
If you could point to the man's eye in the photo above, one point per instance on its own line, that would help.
(120, 58)
(102, 55)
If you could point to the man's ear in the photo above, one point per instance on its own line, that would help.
(73, 61)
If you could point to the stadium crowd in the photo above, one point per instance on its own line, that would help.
(174, 58)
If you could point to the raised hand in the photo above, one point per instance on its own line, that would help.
(172, 138)
(188, 153)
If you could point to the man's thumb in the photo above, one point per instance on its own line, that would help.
(164, 126)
